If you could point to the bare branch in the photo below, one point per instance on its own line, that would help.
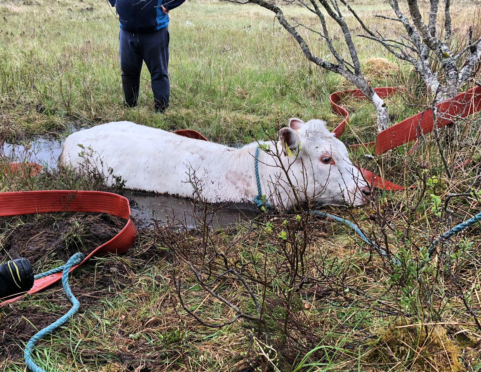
(388, 18)
(373, 36)
(469, 47)
(411, 31)
(400, 54)
(300, 40)
(433, 16)
(472, 60)
(194, 315)
(347, 35)
(447, 20)
(328, 40)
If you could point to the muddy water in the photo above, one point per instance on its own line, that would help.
(146, 207)
(164, 209)
(41, 151)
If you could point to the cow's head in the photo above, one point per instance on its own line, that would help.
(320, 164)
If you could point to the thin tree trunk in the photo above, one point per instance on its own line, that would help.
(373, 97)
(382, 112)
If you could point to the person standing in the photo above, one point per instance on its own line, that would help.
(144, 37)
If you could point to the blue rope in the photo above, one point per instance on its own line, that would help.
(355, 228)
(456, 229)
(74, 260)
(259, 199)
(261, 202)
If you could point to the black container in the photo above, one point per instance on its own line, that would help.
(16, 277)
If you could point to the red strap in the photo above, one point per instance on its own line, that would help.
(31, 202)
(462, 105)
(189, 133)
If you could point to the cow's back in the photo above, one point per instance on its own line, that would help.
(147, 158)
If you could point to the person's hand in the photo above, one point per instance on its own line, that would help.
(165, 11)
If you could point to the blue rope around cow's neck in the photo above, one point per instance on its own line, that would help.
(74, 260)
(261, 203)
(456, 229)
(259, 199)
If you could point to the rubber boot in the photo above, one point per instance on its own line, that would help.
(16, 277)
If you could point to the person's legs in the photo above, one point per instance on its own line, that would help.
(131, 65)
(155, 50)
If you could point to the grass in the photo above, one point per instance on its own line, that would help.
(235, 73)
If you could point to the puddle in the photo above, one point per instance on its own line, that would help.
(42, 151)
(146, 207)
(182, 212)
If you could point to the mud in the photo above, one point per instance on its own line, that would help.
(96, 281)
(54, 237)
(149, 209)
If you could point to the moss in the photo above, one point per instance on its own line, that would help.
(418, 348)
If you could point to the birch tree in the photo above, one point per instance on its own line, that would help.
(418, 42)
(349, 69)
(421, 40)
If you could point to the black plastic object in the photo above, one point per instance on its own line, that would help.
(16, 277)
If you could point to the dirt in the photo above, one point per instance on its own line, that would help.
(49, 237)
(19, 323)
(52, 237)
(43, 239)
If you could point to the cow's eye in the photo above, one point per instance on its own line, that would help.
(327, 160)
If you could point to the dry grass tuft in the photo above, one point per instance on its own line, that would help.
(418, 347)
(379, 68)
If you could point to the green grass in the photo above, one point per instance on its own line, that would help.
(235, 72)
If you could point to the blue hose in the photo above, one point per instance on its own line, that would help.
(259, 199)
(74, 260)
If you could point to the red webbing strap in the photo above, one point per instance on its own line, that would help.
(379, 182)
(189, 133)
(32, 202)
(336, 97)
(464, 104)
(20, 169)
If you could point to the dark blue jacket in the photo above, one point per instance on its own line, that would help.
(143, 16)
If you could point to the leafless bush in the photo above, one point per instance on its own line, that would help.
(292, 289)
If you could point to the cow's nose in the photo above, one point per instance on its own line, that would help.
(366, 190)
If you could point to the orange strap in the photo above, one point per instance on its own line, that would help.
(31, 202)
(464, 104)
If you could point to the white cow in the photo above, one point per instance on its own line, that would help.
(317, 164)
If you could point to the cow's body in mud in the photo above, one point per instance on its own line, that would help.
(155, 160)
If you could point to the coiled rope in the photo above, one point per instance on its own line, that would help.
(74, 260)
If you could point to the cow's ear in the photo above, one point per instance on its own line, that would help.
(289, 141)
(295, 123)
